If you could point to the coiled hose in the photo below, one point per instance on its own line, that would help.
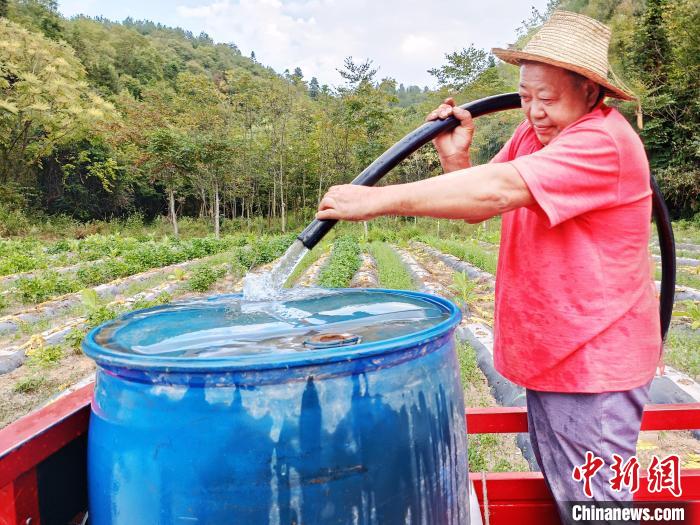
(315, 231)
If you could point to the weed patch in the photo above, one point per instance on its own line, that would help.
(44, 356)
(28, 385)
(682, 351)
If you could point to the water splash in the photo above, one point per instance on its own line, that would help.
(268, 285)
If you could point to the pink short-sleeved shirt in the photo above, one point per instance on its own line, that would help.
(576, 308)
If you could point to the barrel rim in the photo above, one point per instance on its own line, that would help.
(110, 358)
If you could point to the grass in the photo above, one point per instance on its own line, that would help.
(688, 231)
(342, 264)
(682, 351)
(684, 278)
(679, 253)
(487, 452)
(391, 271)
(469, 251)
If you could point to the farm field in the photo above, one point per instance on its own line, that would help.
(55, 289)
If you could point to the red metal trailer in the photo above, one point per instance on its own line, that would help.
(43, 465)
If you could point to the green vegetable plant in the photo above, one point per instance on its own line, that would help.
(342, 264)
(44, 355)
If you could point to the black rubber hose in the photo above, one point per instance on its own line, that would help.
(667, 246)
(315, 231)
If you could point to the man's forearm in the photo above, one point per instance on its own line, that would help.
(473, 194)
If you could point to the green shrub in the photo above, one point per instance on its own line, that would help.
(377, 234)
(21, 260)
(12, 222)
(45, 286)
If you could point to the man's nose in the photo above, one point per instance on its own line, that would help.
(537, 110)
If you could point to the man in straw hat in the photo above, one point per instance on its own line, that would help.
(576, 319)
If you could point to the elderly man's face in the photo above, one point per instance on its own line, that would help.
(552, 98)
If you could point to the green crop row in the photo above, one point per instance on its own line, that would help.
(32, 256)
(391, 271)
(246, 252)
(342, 264)
(468, 250)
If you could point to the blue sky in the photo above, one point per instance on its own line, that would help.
(403, 37)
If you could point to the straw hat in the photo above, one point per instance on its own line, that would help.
(574, 42)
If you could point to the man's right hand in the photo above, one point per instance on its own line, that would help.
(453, 146)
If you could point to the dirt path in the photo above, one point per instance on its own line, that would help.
(366, 276)
(310, 276)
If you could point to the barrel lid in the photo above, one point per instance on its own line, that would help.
(224, 332)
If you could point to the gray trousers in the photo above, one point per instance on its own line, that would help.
(563, 427)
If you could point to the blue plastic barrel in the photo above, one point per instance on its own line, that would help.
(343, 408)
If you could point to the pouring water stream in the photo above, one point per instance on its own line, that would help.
(268, 285)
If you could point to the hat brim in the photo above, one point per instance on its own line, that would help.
(515, 57)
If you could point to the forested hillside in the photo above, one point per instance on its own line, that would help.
(101, 119)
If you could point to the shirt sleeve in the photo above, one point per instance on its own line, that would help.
(577, 172)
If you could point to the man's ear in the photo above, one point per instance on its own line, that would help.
(593, 92)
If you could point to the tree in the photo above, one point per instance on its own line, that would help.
(44, 100)
(666, 58)
(462, 68)
(356, 74)
(314, 88)
(171, 159)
